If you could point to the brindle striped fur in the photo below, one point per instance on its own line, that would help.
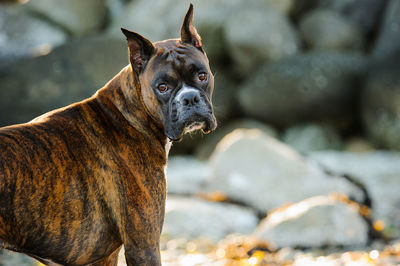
(78, 182)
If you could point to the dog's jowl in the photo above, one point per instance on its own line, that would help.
(79, 182)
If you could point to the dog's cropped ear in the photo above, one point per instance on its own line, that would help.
(140, 50)
(188, 31)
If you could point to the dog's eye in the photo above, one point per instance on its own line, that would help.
(162, 87)
(203, 76)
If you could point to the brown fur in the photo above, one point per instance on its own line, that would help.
(78, 182)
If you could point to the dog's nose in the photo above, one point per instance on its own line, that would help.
(190, 98)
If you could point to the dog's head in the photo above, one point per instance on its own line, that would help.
(176, 82)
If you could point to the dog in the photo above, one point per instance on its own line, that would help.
(79, 182)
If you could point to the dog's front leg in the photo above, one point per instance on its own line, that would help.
(141, 239)
(140, 230)
(143, 255)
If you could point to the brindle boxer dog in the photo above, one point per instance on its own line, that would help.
(79, 182)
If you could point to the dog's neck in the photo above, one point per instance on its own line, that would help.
(121, 92)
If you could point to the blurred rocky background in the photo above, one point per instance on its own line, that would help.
(304, 168)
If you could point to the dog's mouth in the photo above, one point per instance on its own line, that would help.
(206, 126)
(205, 123)
(194, 126)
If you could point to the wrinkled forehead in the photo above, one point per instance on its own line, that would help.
(177, 58)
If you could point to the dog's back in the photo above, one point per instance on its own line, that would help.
(45, 181)
(78, 182)
(66, 179)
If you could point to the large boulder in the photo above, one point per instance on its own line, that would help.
(267, 34)
(204, 150)
(76, 16)
(68, 74)
(258, 170)
(154, 19)
(380, 104)
(284, 6)
(256, 33)
(161, 19)
(358, 144)
(224, 96)
(365, 13)
(22, 34)
(379, 172)
(186, 175)
(315, 222)
(192, 218)
(302, 7)
(309, 137)
(203, 145)
(306, 86)
(115, 8)
(388, 41)
(10, 258)
(328, 30)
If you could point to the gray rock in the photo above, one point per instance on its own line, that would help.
(328, 30)
(337, 5)
(76, 16)
(23, 35)
(303, 87)
(302, 7)
(379, 172)
(220, 23)
(380, 104)
(286, 254)
(9, 258)
(256, 33)
(68, 74)
(358, 144)
(285, 6)
(204, 150)
(365, 13)
(115, 8)
(314, 222)
(224, 97)
(186, 175)
(141, 16)
(254, 168)
(192, 218)
(388, 41)
(306, 138)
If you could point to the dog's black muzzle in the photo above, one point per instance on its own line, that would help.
(190, 110)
